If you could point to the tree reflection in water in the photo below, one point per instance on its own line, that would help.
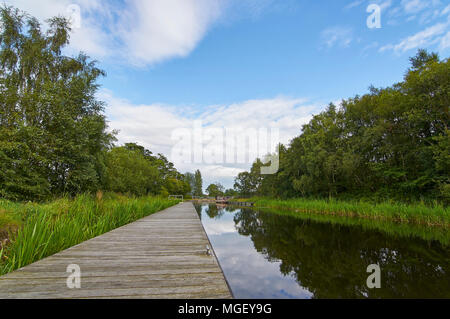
(331, 260)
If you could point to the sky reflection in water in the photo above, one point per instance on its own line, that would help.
(248, 272)
(266, 255)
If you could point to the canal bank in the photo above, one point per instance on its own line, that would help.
(264, 254)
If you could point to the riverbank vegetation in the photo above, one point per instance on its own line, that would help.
(385, 154)
(386, 226)
(35, 231)
(417, 213)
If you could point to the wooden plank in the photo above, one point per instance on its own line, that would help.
(160, 256)
(189, 292)
(50, 284)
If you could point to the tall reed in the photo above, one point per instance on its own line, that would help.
(418, 213)
(50, 228)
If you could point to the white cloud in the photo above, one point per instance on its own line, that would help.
(337, 36)
(158, 30)
(252, 273)
(370, 47)
(446, 10)
(429, 36)
(140, 32)
(254, 7)
(94, 44)
(219, 171)
(149, 125)
(89, 37)
(415, 6)
(353, 4)
(428, 16)
(219, 228)
(425, 11)
(384, 4)
(42, 9)
(152, 125)
(445, 42)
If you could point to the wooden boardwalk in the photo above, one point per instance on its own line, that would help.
(160, 256)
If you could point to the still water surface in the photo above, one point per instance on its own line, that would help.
(265, 255)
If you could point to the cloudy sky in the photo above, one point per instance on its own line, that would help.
(239, 63)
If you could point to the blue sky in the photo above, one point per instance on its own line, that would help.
(252, 63)
(281, 50)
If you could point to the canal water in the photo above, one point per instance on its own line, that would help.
(267, 255)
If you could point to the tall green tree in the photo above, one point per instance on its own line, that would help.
(198, 186)
(168, 180)
(189, 178)
(215, 189)
(128, 171)
(249, 183)
(52, 128)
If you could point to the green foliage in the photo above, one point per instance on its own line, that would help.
(214, 190)
(134, 170)
(231, 193)
(381, 225)
(52, 130)
(391, 143)
(248, 183)
(177, 186)
(417, 213)
(128, 171)
(164, 192)
(189, 178)
(198, 183)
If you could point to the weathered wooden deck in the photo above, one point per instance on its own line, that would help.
(160, 256)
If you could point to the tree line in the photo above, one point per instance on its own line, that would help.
(391, 143)
(54, 138)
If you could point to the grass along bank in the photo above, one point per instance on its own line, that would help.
(418, 213)
(40, 230)
(440, 234)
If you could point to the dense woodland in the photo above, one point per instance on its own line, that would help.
(54, 138)
(392, 143)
